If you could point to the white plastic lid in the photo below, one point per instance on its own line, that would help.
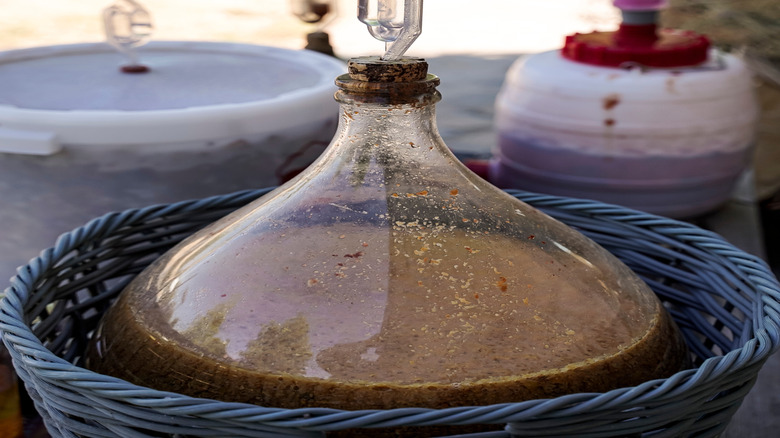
(193, 91)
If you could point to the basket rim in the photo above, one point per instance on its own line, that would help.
(28, 350)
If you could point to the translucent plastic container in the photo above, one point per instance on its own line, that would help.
(669, 141)
(78, 138)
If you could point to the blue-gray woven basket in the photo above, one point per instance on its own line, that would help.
(725, 301)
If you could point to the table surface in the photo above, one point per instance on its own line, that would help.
(465, 115)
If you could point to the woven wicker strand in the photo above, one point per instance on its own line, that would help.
(726, 302)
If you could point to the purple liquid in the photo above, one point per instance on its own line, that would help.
(674, 186)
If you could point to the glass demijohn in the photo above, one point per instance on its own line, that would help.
(387, 275)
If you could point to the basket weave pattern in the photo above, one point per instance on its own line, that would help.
(726, 302)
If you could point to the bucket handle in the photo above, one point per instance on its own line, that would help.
(17, 141)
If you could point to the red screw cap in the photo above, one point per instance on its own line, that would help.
(640, 44)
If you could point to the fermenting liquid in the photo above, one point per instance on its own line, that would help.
(462, 318)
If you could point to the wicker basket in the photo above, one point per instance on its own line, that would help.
(725, 301)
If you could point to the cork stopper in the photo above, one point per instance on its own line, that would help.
(372, 80)
(374, 69)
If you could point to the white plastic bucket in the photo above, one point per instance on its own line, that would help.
(672, 142)
(79, 139)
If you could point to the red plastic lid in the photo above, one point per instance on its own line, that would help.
(641, 44)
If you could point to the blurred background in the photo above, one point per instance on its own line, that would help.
(486, 29)
(450, 26)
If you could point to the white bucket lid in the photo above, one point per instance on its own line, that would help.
(75, 94)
